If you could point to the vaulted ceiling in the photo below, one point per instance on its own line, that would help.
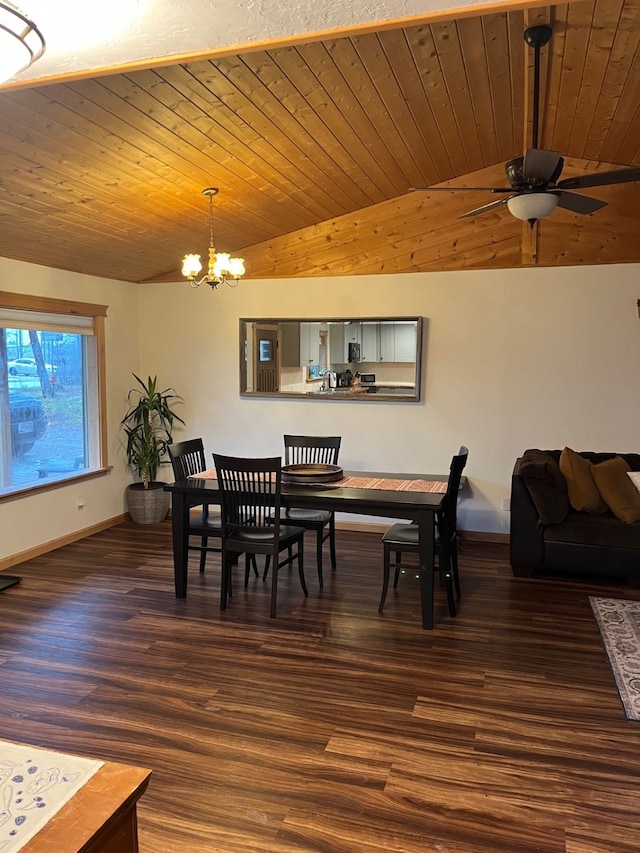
(315, 147)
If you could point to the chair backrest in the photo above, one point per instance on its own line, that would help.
(249, 492)
(447, 517)
(187, 458)
(311, 449)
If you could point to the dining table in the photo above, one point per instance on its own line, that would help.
(417, 497)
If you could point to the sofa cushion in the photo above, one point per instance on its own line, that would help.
(632, 458)
(602, 531)
(617, 490)
(546, 485)
(583, 492)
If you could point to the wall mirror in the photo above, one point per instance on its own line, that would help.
(342, 359)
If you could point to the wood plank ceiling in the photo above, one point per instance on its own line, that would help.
(315, 147)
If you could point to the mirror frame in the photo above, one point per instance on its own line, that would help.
(355, 392)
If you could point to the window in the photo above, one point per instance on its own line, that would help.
(52, 412)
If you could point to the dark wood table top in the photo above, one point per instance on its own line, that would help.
(345, 499)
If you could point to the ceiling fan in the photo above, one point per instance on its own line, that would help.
(535, 190)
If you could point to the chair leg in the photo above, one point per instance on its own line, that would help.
(319, 542)
(332, 542)
(247, 569)
(448, 582)
(300, 556)
(446, 575)
(396, 576)
(224, 583)
(385, 578)
(454, 567)
(274, 586)
(267, 563)
(203, 553)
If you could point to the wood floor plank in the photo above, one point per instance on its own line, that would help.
(332, 727)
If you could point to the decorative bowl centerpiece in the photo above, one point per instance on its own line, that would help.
(311, 473)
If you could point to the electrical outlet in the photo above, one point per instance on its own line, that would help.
(505, 506)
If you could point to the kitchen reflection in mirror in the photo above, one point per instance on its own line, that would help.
(342, 359)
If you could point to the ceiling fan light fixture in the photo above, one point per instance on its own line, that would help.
(532, 206)
(21, 42)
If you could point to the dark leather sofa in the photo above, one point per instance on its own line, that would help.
(548, 536)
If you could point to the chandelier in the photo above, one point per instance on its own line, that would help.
(21, 42)
(221, 267)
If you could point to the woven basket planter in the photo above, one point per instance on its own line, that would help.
(147, 506)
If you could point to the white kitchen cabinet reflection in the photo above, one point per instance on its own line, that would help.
(349, 359)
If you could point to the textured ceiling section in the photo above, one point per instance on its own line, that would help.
(125, 31)
(315, 147)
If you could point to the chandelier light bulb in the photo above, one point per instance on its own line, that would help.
(191, 266)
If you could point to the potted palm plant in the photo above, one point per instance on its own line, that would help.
(148, 424)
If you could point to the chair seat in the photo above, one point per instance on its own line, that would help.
(201, 524)
(305, 516)
(263, 536)
(405, 535)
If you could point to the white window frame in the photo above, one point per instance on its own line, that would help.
(47, 313)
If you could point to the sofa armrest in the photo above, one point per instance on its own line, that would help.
(526, 543)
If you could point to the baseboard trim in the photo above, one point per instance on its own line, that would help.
(464, 535)
(481, 536)
(54, 544)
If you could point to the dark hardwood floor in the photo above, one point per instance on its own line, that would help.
(330, 728)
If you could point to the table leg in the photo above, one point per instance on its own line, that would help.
(426, 555)
(180, 536)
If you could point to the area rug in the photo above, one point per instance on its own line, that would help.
(619, 623)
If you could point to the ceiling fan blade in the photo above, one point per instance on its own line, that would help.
(579, 203)
(460, 189)
(601, 179)
(543, 166)
(484, 209)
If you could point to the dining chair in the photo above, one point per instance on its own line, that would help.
(188, 460)
(313, 449)
(250, 491)
(403, 538)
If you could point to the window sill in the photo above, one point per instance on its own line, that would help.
(54, 482)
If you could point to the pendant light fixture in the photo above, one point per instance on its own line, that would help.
(221, 269)
(21, 42)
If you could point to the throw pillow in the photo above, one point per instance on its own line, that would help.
(616, 488)
(634, 476)
(546, 485)
(583, 492)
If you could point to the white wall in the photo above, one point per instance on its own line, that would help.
(512, 359)
(29, 521)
